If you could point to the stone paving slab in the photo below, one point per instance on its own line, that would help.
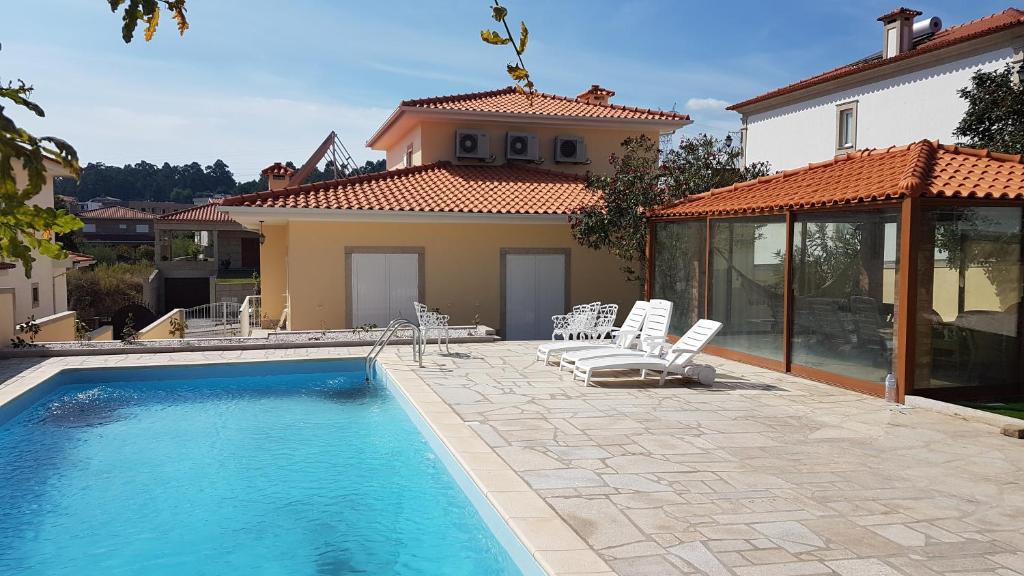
(761, 474)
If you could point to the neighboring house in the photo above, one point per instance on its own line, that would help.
(905, 260)
(157, 208)
(44, 294)
(221, 249)
(471, 216)
(116, 225)
(905, 92)
(100, 202)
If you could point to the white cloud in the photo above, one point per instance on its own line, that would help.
(706, 104)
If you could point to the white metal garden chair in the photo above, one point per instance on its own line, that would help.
(575, 324)
(650, 339)
(624, 337)
(432, 322)
(604, 323)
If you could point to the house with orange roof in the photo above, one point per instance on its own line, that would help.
(906, 91)
(116, 225)
(471, 216)
(203, 256)
(902, 261)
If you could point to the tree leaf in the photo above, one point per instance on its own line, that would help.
(518, 73)
(524, 36)
(498, 12)
(131, 17)
(492, 37)
(152, 21)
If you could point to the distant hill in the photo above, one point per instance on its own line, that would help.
(176, 183)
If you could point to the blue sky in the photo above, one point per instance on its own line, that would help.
(257, 81)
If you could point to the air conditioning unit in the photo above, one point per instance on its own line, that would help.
(472, 144)
(521, 146)
(570, 150)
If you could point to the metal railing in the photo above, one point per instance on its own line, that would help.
(216, 319)
(250, 315)
(418, 343)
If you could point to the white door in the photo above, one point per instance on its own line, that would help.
(383, 287)
(534, 292)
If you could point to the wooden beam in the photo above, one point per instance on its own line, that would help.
(310, 164)
(906, 314)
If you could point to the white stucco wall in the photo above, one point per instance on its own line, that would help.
(894, 111)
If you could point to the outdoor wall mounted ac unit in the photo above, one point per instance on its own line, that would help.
(522, 146)
(472, 144)
(570, 150)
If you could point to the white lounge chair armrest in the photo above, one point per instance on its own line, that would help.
(624, 332)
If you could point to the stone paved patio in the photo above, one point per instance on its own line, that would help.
(762, 474)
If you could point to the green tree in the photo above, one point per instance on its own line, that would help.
(995, 111)
(25, 227)
(643, 179)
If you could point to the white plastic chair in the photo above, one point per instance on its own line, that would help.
(650, 339)
(435, 322)
(678, 360)
(623, 338)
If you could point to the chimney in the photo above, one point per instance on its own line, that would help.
(898, 31)
(596, 95)
(277, 175)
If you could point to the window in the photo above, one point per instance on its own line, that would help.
(89, 227)
(844, 292)
(408, 155)
(35, 295)
(747, 278)
(679, 254)
(969, 271)
(142, 228)
(846, 126)
(122, 226)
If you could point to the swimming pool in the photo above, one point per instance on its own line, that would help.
(297, 467)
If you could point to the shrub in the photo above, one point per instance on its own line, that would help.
(103, 289)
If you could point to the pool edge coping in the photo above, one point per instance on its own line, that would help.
(546, 536)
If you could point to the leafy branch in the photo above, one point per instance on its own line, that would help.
(516, 70)
(26, 228)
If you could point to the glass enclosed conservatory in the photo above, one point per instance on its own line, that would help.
(904, 260)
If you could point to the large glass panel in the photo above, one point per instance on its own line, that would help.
(969, 277)
(679, 254)
(844, 292)
(747, 279)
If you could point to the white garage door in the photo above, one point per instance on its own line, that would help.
(534, 292)
(384, 287)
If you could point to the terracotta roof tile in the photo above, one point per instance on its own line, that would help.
(923, 168)
(509, 100)
(438, 187)
(204, 213)
(115, 213)
(277, 169)
(1009, 18)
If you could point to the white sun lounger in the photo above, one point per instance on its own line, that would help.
(650, 340)
(677, 360)
(624, 337)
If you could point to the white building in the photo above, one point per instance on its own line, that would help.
(45, 292)
(904, 93)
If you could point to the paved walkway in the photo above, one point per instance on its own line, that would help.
(763, 474)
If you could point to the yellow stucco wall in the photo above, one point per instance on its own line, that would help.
(59, 327)
(462, 267)
(273, 274)
(435, 141)
(160, 329)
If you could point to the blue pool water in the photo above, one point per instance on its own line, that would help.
(284, 468)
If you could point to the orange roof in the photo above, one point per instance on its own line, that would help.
(204, 213)
(116, 213)
(438, 187)
(924, 168)
(951, 36)
(511, 101)
(277, 169)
